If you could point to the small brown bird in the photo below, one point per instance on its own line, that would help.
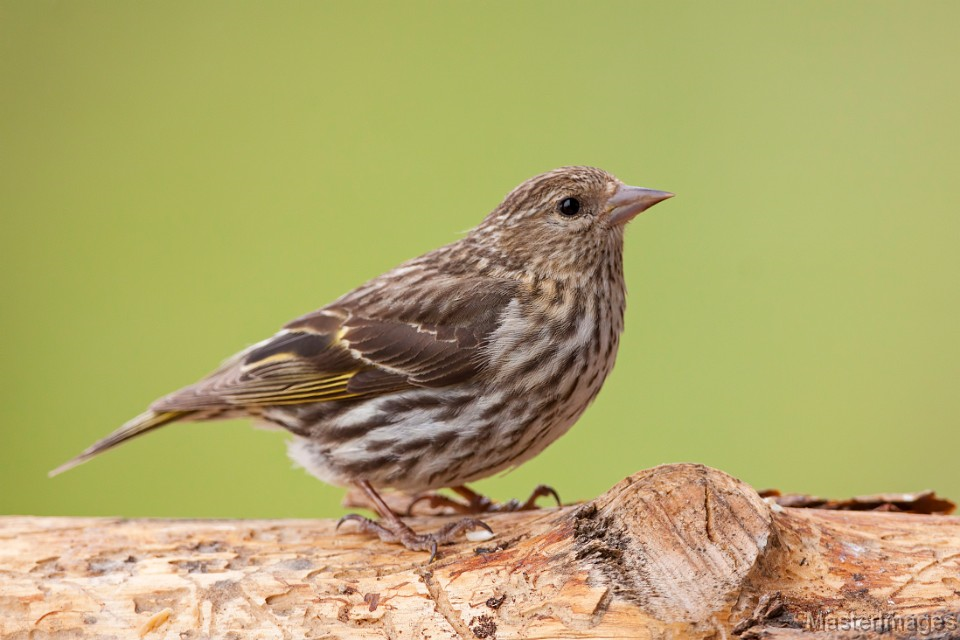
(453, 366)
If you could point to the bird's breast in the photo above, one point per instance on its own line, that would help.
(563, 342)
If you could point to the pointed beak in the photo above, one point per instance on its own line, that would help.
(628, 201)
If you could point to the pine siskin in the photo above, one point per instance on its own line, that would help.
(453, 366)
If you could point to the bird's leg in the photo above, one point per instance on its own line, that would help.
(474, 502)
(390, 528)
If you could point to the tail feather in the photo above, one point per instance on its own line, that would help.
(137, 426)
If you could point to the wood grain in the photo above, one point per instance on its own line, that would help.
(681, 551)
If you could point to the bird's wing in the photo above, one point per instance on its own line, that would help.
(358, 347)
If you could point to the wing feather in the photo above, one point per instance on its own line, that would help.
(351, 350)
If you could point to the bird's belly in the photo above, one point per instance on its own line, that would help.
(412, 440)
(432, 438)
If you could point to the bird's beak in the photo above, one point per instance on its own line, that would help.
(628, 201)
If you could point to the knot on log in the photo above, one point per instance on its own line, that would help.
(676, 540)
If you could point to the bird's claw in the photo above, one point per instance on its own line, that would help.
(540, 491)
(477, 503)
(398, 532)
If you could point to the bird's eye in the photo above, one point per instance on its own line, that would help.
(569, 206)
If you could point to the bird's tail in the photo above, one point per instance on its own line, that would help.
(141, 424)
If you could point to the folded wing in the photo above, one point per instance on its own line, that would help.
(351, 350)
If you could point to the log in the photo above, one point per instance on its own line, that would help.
(678, 551)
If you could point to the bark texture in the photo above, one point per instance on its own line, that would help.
(678, 551)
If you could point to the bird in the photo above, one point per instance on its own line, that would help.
(453, 366)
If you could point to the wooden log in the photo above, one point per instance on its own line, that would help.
(678, 551)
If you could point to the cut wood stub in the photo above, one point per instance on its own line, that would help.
(675, 540)
(681, 551)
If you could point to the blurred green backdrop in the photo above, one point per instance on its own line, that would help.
(178, 179)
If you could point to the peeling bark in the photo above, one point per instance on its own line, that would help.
(679, 551)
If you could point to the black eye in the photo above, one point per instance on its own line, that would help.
(569, 206)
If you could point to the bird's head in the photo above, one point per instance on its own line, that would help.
(565, 219)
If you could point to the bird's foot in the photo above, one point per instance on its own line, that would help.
(396, 531)
(474, 502)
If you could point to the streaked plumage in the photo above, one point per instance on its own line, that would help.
(453, 366)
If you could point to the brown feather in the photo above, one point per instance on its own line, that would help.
(392, 348)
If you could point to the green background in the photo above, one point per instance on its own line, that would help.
(178, 179)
